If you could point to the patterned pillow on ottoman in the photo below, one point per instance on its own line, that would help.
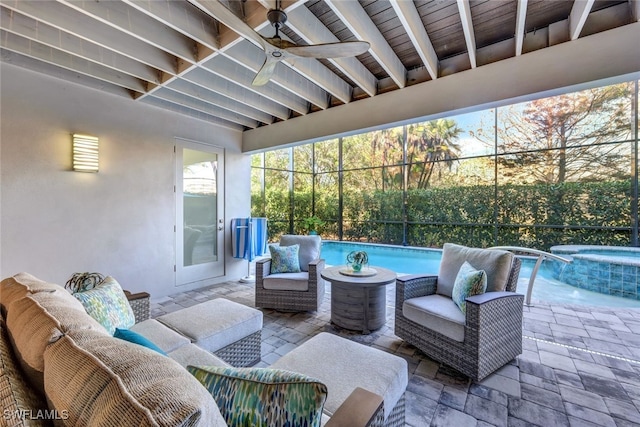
(263, 397)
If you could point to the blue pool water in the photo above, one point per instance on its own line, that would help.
(411, 260)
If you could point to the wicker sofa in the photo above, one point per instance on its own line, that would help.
(58, 364)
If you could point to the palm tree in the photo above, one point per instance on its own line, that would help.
(386, 147)
(432, 145)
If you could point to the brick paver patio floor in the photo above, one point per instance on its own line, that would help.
(580, 365)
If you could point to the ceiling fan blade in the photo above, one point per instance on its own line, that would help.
(229, 19)
(267, 70)
(330, 50)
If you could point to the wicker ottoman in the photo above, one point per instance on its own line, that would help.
(225, 328)
(342, 365)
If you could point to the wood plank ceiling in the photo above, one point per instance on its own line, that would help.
(179, 55)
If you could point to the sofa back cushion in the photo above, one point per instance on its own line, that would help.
(18, 286)
(309, 248)
(103, 381)
(496, 264)
(39, 319)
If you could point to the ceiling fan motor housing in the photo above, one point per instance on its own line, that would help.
(277, 17)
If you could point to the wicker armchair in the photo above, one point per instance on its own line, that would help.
(479, 342)
(302, 291)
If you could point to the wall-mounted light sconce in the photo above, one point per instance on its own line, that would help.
(85, 153)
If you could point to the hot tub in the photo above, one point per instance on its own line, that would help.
(611, 270)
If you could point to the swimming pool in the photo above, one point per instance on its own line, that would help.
(412, 260)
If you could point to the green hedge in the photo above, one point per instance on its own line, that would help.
(536, 216)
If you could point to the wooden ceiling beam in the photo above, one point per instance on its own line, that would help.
(55, 38)
(130, 21)
(286, 5)
(39, 51)
(521, 17)
(467, 27)
(197, 25)
(412, 23)
(189, 21)
(18, 60)
(320, 76)
(175, 97)
(230, 69)
(360, 24)
(229, 19)
(225, 87)
(215, 98)
(181, 109)
(311, 30)
(218, 10)
(71, 21)
(579, 14)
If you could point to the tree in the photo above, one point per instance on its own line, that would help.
(431, 146)
(572, 130)
(386, 150)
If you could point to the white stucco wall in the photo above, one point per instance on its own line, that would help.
(120, 221)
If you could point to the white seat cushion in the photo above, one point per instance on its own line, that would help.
(191, 354)
(438, 313)
(166, 338)
(287, 281)
(342, 365)
(214, 324)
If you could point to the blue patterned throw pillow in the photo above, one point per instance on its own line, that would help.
(469, 282)
(284, 259)
(108, 304)
(262, 396)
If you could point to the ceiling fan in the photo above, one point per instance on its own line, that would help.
(277, 49)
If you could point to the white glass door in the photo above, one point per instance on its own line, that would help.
(199, 212)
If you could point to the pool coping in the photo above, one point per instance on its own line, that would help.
(573, 251)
